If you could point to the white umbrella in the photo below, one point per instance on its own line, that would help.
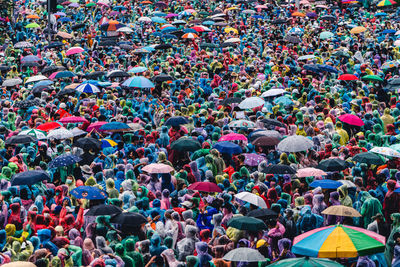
(125, 29)
(273, 92)
(60, 133)
(36, 78)
(295, 143)
(252, 199)
(144, 19)
(232, 40)
(251, 102)
(386, 151)
(33, 132)
(244, 255)
(12, 82)
(349, 184)
(76, 132)
(306, 57)
(242, 123)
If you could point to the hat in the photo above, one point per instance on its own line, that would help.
(86, 169)
(378, 215)
(187, 204)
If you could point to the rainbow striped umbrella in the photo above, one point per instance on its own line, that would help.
(386, 3)
(338, 241)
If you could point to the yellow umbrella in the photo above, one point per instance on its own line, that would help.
(230, 29)
(358, 29)
(232, 8)
(340, 210)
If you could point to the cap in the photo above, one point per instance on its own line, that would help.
(261, 243)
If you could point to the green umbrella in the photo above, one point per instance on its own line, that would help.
(325, 35)
(32, 25)
(375, 78)
(306, 262)
(186, 144)
(59, 7)
(369, 158)
(247, 223)
(90, 4)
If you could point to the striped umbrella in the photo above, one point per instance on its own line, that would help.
(190, 36)
(87, 88)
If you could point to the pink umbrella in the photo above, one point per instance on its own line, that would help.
(233, 137)
(73, 119)
(171, 15)
(74, 50)
(308, 172)
(205, 187)
(157, 168)
(95, 126)
(351, 119)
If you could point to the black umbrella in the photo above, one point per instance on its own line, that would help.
(51, 69)
(88, 143)
(369, 158)
(95, 74)
(280, 21)
(178, 33)
(29, 177)
(38, 90)
(129, 218)
(162, 78)
(108, 43)
(247, 223)
(208, 45)
(263, 214)
(176, 121)
(30, 64)
(103, 209)
(78, 26)
(293, 38)
(331, 165)
(126, 47)
(279, 169)
(163, 47)
(328, 17)
(118, 74)
(69, 91)
(27, 103)
(230, 100)
(4, 67)
(186, 144)
(55, 45)
(20, 139)
(229, 45)
(266, 141)
(273, 122)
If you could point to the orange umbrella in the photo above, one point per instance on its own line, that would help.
(34, 16)
(298, 14)
(146, 2)
(358, 29)
(190, 36)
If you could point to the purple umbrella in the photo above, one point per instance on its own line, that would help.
(311, 15)
(171, 15)
(114, 13)
(252, 159)
(73, 5)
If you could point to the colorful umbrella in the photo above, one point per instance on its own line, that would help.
(338, 241)
(49, 126)
(32, 25)
(306, 262)
(386, 151)
(73, 119)
(326, 184)
(375, 78)
(87, 88)
(386, 3)
(227, 147)
(115, 126)
(190, 36)
(88, 192)
(357, 30)
(35, 133)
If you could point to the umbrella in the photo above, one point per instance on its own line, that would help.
(340, 210)
(88, 143)
(271, 133)
(273, 92)
(369, 158)
(138, 82)
(273, 123)
(36, 78)
(11, 82)
(242, 124)
(306, 262)
(230, 100)
(331, 165)
(129, 218)
(266, 141)
(73, 119)
(279, 169)
(157, 168)
(44, 83)
(233, 137)
(105, 143)
(358, 29)
(162, 78)
(252, 160)
(49, 126)
(386, 3)
(20, 45)
(298, 14)
(244, 255)
(34, 133)
(136, 70)
(88, 192)
(338, 241)
(386, 151)
(186, 144)
(263, 214)
(103, 209)
(325, 35)
(374, 78)
(62, 74)
(29, 177)
(32, 25)
(247, 223)
(64, 160)
(227, 147)
(306, 57)
(251, 102)
(190, 36)
(308, 172)
(348, 183)
(295, 143)
(27, 103)
(205, 187)
(252, 199)
(348, 77)
(117, 74)
(95, 126)
(283, 100)
(74, 50)
(326, 184)
(115, 126)
(60, 134)
(351, 119)
(87, 88)
(20, 139)
(340, 53)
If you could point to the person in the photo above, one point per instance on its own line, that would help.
(379, 225)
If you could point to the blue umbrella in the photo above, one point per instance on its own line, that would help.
(29, 177)
(138, 82)
(179, 21)
(284, 100)
(312, 67)
(159, 14)
(389, 31)
(380, 14)
(328, 68)
(137, 70)
(115, 126)
(87, 88)
(169, 36)
(169, 29)
(65, 19)
(88, 192)
(176, 121)
(30, 59)
(158, 20)
(189, 30)
(157, 34)
(64, 74)
(42, 83)
(227, 147)
(257, 17)
(149, 48)
(119, 8)
(208, 22)
(64, 160)
(326, 184)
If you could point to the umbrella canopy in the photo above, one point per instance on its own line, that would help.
(29, 177)
(252, 199)
(60, 134)
(88, 88)
(88, 192)
(251, 159)
(176, 121)
(331, 165)
(157, 168)
(95, 126)
(205, 187)
(227, 147)
(357, 30)
(374, 78)
(326, 184)
(308, 172)
(273, 92)
(64, 160)
(74, 50)
(233, 137)
(338, 241)
(34, 133)
(306, 262)
(386, 151)
(186, 144)
(351, 119)
(73, 119)
(115, 126)
(279, 169)
(129, 218)
(266, 141)
(251, 102)
(11, 82)
(263, 214)
(244, 255)
(295, 143)
(341, 210)
(348, 77)
(258, 133)
(230, 100)
(49, 126)
(103, 209)
(138, 82)
(247, 223)
(369, 158)
(242, 124)
(88, 143)
(20, 139)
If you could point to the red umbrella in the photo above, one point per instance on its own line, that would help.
(351, 119)
(348, 77)
(73, 119)
(205, 187)
(48, 126)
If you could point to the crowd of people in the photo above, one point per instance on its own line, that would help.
(170, 133)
